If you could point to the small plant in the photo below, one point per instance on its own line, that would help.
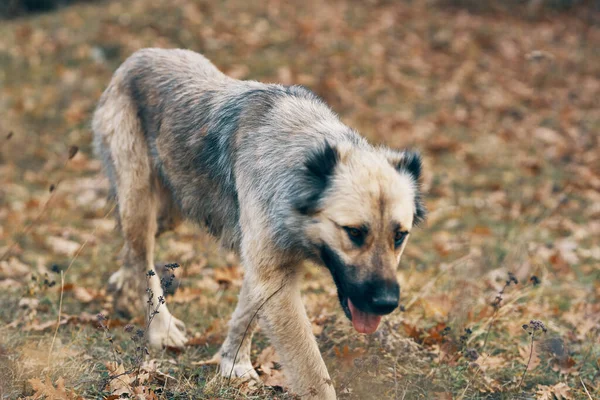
(139, 336)
(496, 304)
(534, 329)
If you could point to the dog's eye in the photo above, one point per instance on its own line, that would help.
(399, 238)
(356, 235)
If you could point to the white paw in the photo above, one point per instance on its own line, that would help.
(117, 281)
(178, 323)
(242, 370)
(166, 331)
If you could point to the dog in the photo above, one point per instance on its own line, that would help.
(273, 173)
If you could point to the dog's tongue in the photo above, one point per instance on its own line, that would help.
(363, 322)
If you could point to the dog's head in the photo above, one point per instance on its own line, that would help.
(361, 207)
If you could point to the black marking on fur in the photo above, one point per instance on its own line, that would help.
(411, 163)
(338, 271)
(420, 210)
(374, 295)
(320, 165)
(217, 152)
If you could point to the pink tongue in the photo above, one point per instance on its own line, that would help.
(363, 322)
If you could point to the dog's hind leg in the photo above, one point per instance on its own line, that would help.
(119, 130)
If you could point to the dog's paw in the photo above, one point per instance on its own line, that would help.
(178, 323)
(125, 288)
(243, 370)
(167, 331)
(116, 282)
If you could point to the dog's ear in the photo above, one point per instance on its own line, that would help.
(319, 168)
(407, 161)
(410, 162)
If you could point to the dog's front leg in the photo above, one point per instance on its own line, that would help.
(234, 355)
(284, 319)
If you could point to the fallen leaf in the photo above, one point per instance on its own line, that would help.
(228, 275)
(347, 356)
(548, 136)
(62, 246)
(487, 362)
(316, 328)
(564, 365)
(120, 382)
(13, 268)
(82, 294)
(526, 352)
(560, 391)
(47, 390)
(267, 360)
(27, 302)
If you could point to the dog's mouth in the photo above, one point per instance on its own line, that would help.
(362, 321)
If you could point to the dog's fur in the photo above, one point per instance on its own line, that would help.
(273, 173)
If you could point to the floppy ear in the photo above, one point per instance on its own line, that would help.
(410, 162)
(318, 170)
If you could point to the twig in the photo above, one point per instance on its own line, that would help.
(533, 327)
(585, 388)
(62, 289)
(395, 380)
(528, 362)
(62, 285)
(462, 395)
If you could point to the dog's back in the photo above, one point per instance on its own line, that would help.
(194, 122)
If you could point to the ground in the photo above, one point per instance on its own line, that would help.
(500, 288)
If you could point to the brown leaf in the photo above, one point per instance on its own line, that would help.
(46, 390)
(60, 245)
(73, 151)
(267, 363)
(548, 136)
(440, 144)
(565, 365)
(488, 362)
(526, 351)
(347, 356)
(82, 294)
(187, 294)
(121, 382)
(228, 275)
(267, 360)
(275, 379)
(560, 391)
(413, 332)
(316, 328)
(482, 230)
(13, 268)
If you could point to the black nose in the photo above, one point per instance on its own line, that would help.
(385, 297)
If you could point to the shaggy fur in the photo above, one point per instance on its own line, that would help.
(272, 172)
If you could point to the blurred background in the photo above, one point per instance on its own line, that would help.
(501, 97)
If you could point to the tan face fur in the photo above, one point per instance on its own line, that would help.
(367, 192)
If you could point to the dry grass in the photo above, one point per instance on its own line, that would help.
(503, 108)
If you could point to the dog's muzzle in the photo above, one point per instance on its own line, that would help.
(366, 302)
